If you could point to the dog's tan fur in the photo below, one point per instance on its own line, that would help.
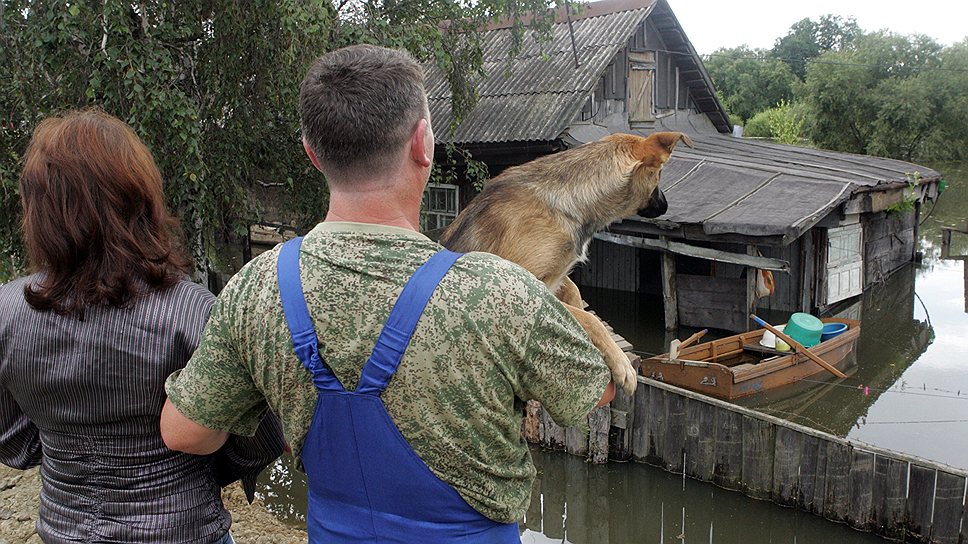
(543, 214)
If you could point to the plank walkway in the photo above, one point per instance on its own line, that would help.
(891, 494)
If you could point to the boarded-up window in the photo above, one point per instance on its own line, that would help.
(845, 262)
(440, 206)
(642, 86)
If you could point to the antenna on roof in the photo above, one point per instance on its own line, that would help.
(574, 46)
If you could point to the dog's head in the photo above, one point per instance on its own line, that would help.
(650, 155)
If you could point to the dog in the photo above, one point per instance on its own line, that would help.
(543, 214)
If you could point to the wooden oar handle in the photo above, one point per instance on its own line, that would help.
(798, 347)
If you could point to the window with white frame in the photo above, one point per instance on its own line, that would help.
(440, 206)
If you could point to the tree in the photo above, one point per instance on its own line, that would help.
(890, 95)
(807, 40)
(748, 81)
(212, 88)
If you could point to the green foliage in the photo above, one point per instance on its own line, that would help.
(783, 123)
(785, 126)
(890, 95)
(458, 165)
(808, 39)
(909, 196)
(748, 81)
(758, 126)
(212, 89)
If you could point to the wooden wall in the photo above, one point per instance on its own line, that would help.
(889, 243)
(610, 93)
(610, 266)
(872, 489)
(709, 301)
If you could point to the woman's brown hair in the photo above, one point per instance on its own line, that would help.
(95, 222)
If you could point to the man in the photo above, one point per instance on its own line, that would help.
(415, 437)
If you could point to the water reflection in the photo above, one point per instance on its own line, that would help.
(580, 503)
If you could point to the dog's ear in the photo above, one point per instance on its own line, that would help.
(655, 150)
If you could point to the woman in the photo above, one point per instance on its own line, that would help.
(87, 341)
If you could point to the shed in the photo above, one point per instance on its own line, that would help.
(827, 224)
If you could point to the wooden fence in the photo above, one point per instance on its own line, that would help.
(891, 494)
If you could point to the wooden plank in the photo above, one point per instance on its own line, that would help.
(554, 434)
(949, 495)
(700, 441)
(620, 438)
(808, 261)
(599, 422)
(836, 488)
(576, 441)
(728, 469)
(675, 432)
(751, 274)
(788, 448)
(667, 246)
(656, 428)
(640, 420)
(758, 448)
(820, 481)
(888, 496)
(531, 424)
(807, 480)
(860, 489)
(670, 296)
(920, 504)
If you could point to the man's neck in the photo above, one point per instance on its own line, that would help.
(377, 203)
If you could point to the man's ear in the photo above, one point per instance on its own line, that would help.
(312, 156)
(420, 142)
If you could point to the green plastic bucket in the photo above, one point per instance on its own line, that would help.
(804, 328)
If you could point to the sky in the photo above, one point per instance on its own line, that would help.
(712, 24)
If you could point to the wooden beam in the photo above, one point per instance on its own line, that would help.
(670, 300)
(666, 246)
(751, 284)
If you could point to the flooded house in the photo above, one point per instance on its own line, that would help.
(826, 225)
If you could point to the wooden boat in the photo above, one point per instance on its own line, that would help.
(738, 366)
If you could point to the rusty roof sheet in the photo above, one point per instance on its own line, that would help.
(537, 94)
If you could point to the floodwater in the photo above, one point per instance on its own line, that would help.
(908, 392)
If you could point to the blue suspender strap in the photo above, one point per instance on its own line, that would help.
(301, 328)
(402, 321)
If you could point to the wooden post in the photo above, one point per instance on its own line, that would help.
(669, 298)
(808, 261)
(750, 287)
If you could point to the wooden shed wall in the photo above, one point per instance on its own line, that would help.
(610, 266)
(889, 243)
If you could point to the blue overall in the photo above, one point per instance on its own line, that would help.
(365, 482)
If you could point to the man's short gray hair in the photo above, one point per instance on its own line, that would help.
(358, 105)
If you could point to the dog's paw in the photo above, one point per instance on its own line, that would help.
(623, 374)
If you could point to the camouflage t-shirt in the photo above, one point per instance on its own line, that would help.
(490, 337)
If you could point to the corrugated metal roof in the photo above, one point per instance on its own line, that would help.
(537, 94)
(732, 185)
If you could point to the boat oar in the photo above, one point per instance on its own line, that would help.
(693, 339)
(798, 347)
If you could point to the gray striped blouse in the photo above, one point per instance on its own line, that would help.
(82, 399)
